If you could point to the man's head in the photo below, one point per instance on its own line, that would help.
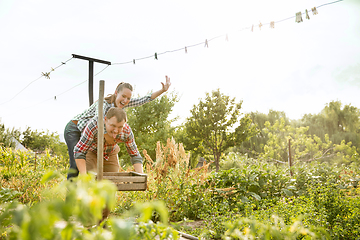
(114, 121)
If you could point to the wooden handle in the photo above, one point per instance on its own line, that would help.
(100, 143)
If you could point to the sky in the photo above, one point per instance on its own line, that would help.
(294, 67)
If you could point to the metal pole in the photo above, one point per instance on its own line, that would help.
(91, 72)
(100, 143)
(91, 79)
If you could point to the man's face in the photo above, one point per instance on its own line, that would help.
(122, 98)
(113, 127)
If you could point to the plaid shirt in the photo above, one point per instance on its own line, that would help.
(88, 142)
(84, 117)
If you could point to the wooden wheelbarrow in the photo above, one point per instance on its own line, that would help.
(125, 181)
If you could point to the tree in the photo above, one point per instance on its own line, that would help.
(256, 143)
(150, 124)
(39, 141)
(212, 124)
(340, 123)
(6, 136)
(304, 147)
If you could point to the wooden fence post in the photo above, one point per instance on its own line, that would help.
(100, 142)
(290, 160)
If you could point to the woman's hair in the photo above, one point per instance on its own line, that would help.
(111, 97)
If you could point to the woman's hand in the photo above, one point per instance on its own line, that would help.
(166, 86)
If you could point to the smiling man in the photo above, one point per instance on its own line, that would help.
(116, 130)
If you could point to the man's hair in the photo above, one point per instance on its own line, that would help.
(119, 113)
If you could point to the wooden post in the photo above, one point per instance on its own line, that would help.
(35, 161)
(290, 161)
(100, 143)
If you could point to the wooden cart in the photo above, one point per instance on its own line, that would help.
(125, 181)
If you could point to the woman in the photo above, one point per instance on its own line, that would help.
(121, 99)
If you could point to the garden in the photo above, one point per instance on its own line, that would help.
(272, 179)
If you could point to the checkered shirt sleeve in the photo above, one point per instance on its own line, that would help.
(87, 140)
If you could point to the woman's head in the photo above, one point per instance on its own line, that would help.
(122, 95)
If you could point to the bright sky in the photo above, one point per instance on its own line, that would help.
(295, 67)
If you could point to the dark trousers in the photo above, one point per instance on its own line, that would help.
(72, 136)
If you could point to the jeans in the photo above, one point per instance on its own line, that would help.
(72, 136)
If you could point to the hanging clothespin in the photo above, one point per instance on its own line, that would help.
(226, 38)
(314, 11)
(298, 17)
(133, 61)
(156, 56)
(46, 75)
(272, 24)
(260, 25)
(54, 97)
(52, 69)
(185, 49)
(206, 43)
(63, 63)
(307, 14)
(252, 28)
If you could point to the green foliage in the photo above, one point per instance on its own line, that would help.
(338, 121)
(304, 147)
(150, 124)
(256, 143)
(7, 135)
(39, 141)
(245, 228)
(7, 194)
(21, 171)
(74, 209)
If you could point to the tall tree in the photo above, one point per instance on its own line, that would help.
(340, 123)
(256, 143)
(212, 124)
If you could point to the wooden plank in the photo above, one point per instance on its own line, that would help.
(117, 174)
(125, 179)
(131, 187)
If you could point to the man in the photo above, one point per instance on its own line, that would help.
(115, 130)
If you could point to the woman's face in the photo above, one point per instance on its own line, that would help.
(122, 98)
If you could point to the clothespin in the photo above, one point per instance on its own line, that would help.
(54, 97)
(46, 75)
(260, 25)
(298, 17)
(156, 56)
(185, 49)
(206, 43)
(307, 14)
(63, 62)
(314, 11)
(226, 38)
(52, 69)
(252, 28)
(133, 61)
(272, 24)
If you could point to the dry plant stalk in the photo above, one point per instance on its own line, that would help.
(173, 159)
